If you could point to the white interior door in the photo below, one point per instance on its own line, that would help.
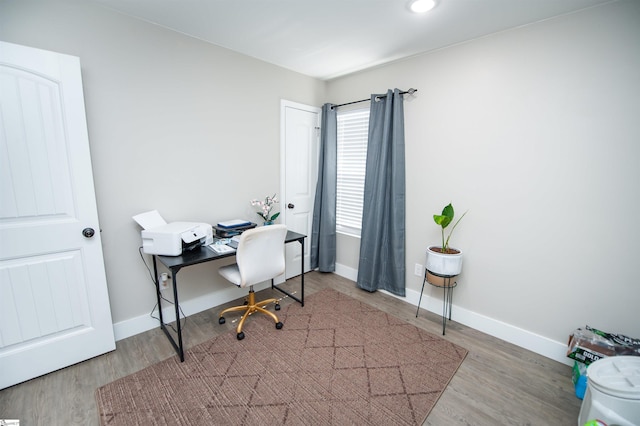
(54, 306)
(300, 133)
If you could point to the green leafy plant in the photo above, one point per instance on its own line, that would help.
(445, 220)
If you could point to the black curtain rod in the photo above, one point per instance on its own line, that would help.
(410, 91)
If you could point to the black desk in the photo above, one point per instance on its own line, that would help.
(201, 255)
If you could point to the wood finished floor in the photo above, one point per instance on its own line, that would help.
(497, 384)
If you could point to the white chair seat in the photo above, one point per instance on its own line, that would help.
(231, 273)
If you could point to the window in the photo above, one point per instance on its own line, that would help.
(353, 129)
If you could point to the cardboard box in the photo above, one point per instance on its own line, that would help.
(589, 344)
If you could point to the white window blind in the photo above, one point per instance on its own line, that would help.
(353, 128)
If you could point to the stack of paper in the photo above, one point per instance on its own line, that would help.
(221, 248)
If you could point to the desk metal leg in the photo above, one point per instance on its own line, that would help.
(178, 322)
(177, 346)
(301, 300)
(302, 274)
(158, 295)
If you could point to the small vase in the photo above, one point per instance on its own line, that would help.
(268, 222)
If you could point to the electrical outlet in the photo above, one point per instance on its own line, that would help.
(164, 281)
(418, 270)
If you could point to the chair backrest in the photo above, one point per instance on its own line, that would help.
(260, 254)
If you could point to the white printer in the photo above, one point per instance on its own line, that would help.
(171, 239)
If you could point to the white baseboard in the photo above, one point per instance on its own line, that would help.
(507, 332)
(143, 323)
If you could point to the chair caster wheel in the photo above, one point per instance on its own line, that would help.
(279, 325)
(221, 320)
(240, 336)
(277, 307)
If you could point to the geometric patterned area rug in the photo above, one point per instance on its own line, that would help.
(336, 361)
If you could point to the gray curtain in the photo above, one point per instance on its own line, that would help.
(323, 229)
(382, 244)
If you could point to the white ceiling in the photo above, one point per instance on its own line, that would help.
(330, 38)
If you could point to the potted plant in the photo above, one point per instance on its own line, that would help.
(265, 209)
(444, 261)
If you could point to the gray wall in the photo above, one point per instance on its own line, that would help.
(534, 131)
(164, 113)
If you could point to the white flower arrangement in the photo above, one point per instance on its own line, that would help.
(265, 208)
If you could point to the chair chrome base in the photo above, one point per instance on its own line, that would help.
(249, 308)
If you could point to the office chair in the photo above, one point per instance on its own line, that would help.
(259, 257)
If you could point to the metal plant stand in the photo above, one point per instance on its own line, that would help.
(447, 296)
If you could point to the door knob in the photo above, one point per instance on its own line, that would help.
(88, 232)
(290, 205)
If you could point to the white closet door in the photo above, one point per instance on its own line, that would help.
(54, 306)
(300, 128)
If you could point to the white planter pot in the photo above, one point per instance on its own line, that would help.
(447, 265)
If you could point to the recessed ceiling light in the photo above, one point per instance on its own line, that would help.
(422, 6)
